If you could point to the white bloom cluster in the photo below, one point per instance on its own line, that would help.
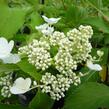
(72, 49)
(23, 50)
(56, 37)
(46, 29)
(64, 61)
(57, 85)
(80, 40)
(39, 55)
(5, 83)
(86, 31)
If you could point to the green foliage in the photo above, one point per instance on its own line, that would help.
(6, 106)
(12, 19)
(88, 96)
(8, 68)
(29, 69)
(16, 15)
(41, 101)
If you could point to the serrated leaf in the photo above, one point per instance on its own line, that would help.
(88, 96)
(41, 101)
(25, 66)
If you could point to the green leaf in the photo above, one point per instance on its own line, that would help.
(35, 20)
(74, 15)
(98, 23)
(5, 106)
(97, 4)
(8, 68)
(12, 19)
(25, 66)
(88, 96)
(41, 101)
(104, 59)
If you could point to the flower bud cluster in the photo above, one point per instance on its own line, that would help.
(56, 38)
(80, 40)
(57, 85)
(5, 83)
(71, 51)
(64, 61)
(23, 50)
(39, 55)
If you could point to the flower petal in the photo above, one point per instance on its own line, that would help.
(27, 83)
(51, 20)
(11, 45)
(97, 67)
(21, 85)
(4, 50)
(92, 66)
(12, 58)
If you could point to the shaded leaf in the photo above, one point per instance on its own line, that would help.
(5, 106)
(41, 101)
(88, 96)
(11, 19)
(29, 69)
(8, 68)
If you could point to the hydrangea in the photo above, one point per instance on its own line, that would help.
(72, 49)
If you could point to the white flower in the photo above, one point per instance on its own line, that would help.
(45, 29)
(5, 51)
(12, 58)
(51, 21)
(42, 27)
(100, 53)
(92, 66)
(5, 47)
(21, 86)
(48, 31)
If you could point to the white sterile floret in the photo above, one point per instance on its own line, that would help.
(48, 31)
(51, 21)
(42, 27)
(100, 53)
(56, 37)
(21, 86)
(5, 51)
(92, 66)
(45, 29)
